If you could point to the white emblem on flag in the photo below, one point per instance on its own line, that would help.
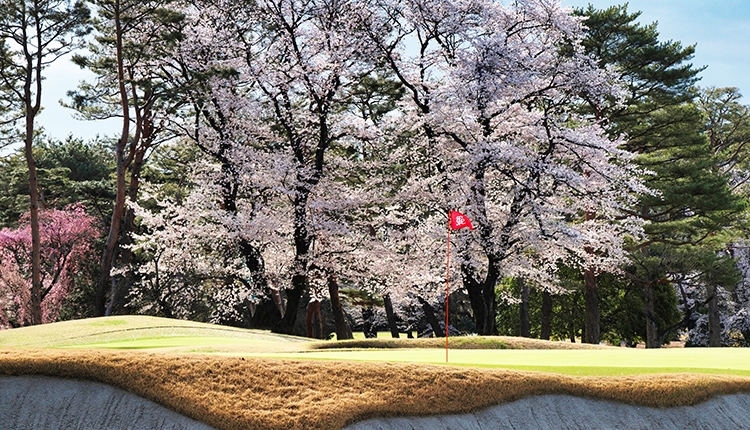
(460, 220)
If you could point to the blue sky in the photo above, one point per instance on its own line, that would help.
(720, 29)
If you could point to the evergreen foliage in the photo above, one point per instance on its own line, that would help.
(692, 207)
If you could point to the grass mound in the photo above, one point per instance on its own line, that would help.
(143, 332)
(459, 342)
(251, 393)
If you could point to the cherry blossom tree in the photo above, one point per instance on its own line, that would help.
(187, 258)
(300, 59)
(305, 175)
(716, 308)
(67, 241)
(491, 92)
(220, 119)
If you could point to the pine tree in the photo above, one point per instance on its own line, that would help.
(661, 123)
(132, 37)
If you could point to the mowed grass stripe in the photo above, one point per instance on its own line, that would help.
(166, 342)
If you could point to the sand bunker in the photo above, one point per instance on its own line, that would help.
(568, 413)
(42, 403)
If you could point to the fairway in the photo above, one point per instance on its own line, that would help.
(168, 342)
(165, 335)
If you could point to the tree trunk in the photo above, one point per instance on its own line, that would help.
(313, 322)
(714, 320)
(266, 314)
(293, 297)
(318, 321)
(571, 320)
(269, 311)
(546, 315)
(485, 320)
(121, 288)
(302, 241)
(482, 304)
(342, 329)
(32, 105)
(591, 300)
(591, 297)
(476, 300)
(429, 312)
(110, 245)
(524, 309)
(391, 316)
(277, 300)
(36, 243)
(368, 329)
(652, 327)
(490, 303)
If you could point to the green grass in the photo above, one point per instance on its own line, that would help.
(598, 362)
(159, 334)
(165, 342)
(381, 334)
(142, 332)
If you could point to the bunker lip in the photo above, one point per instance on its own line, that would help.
(48, 403)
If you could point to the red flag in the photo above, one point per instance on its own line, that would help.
(459, 220)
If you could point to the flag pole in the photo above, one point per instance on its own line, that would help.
(447, 289)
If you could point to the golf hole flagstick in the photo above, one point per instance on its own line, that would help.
(458, 220)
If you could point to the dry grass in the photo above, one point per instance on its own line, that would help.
(237, 393)
(459, 342)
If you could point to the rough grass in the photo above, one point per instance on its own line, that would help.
(262, 393)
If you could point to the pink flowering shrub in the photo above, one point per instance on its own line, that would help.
(67, 241)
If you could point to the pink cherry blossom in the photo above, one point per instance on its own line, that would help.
(67, 238)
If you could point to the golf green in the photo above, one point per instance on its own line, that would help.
(614, 361)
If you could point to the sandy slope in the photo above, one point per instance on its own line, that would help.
(43, 403)
(567, 413)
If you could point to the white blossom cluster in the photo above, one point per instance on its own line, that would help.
(488, 126)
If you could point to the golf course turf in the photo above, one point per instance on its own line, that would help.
(240, 381)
